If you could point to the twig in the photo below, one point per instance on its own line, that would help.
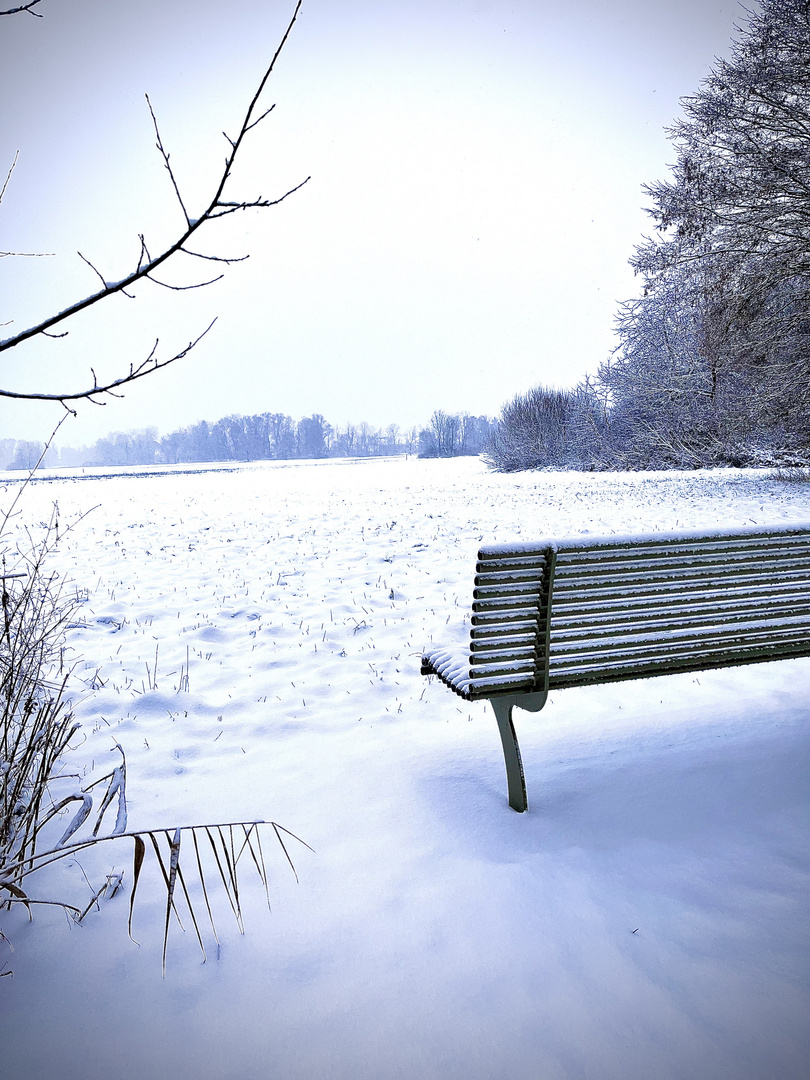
(165, 155)
(10, 171)
(95, 271)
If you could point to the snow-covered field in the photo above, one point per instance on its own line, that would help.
(253, 637)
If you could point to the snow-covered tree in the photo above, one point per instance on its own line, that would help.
(731, 258)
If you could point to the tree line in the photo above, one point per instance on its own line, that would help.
(262, 437)
(713, 361)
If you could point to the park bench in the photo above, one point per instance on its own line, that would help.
(588, 610)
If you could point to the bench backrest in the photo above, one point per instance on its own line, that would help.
(585, 610)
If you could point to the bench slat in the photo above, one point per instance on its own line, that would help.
(646, 643)
(564, 632)
(777, 546)
(678, 562)
(503, 626)
(489, 608)
(508, 640)
(695, 567)
(596, 551)
(759, 582)
(720, 538)
(583, 605)
(490, 666)
(699, 660)
(675, 591)
(593, 609)
(534, 572)
(508, 593)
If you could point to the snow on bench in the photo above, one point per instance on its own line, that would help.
(560, 613)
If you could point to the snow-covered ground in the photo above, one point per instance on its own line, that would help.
(253, 637)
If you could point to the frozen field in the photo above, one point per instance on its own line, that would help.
(251, 638)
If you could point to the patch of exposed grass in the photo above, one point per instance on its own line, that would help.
(791, 474)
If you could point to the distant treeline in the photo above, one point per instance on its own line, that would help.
(264, 437)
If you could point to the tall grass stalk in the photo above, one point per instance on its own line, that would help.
(36, 724)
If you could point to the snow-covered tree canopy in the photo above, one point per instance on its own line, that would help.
(731, 258)
(741, 183)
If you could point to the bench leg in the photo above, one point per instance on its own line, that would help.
(511, 753)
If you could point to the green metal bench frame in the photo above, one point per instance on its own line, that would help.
(584, 611)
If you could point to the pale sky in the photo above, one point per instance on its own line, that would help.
(475, 196)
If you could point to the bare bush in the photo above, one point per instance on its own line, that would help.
(550, 429)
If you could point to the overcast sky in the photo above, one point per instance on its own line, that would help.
(475, 195)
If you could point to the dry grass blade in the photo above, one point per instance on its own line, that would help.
(245, 845)
(283, 846)
(71, 908)
(226, 881)
(17, 892)
(28, 901)
(236, 856)
(118, 786)
(258, 862)
(169, 880)
(204, 886)
(231, 858)
(264, 868)
(137, 863)
(79, 817)
(166, 878)
(190, 906)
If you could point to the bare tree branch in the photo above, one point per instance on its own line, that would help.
(29, 7)
(146, 367)
(146, 265)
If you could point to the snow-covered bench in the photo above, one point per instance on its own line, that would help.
(560, 613)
